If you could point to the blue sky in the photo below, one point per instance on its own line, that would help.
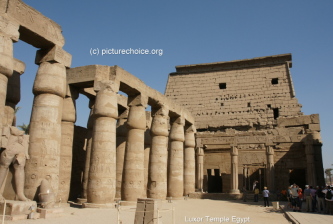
(190, 32)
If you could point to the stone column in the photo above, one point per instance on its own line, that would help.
(102, 172)
(147, 151)
(90, 126)
(66, 153)
(13, 93)
(176, 159)
(158, 163)
(189, 160)
(133, 174)
(200, 168)
(45, 127)
(310, 164)
(270, 175)
(121, 145)
(8, 34)
(234, 170)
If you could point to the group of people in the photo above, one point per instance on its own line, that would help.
(317, 199)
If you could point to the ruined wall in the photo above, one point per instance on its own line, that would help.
(237, 93)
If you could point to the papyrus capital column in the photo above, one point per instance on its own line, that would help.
(189, 160)
(45, 127)
(176, 159)
(200, 168)
(133, 174)
(102, 172)
(234, 170)
(157, 178)
(270, 167)
(67, 135)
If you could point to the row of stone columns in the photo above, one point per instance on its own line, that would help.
(157, 165)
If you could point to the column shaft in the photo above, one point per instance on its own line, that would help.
(66, 153)
(133, 174)
(157, 183)
(234, 170)
(270, 168)
(189, 161)
(310, 168)
(102, 172)
(121, 146)
(200, 165)
(176, 160)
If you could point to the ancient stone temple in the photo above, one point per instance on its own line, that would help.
(249, 124)
(125, 153)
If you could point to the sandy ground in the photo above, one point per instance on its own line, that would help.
(185, 211)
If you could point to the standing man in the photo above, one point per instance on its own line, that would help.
(265, 194)
(308, 198)
(244, 193)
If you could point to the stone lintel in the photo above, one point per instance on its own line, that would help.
(19, 66)
(55, 54)
(36, 29)
(298, 121)
(9, 27)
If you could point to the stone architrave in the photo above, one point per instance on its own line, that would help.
(13, 93)
(200, 164)
(158, 161)
(133, 172)
(270, 167)
(189, 160)
(90, 126)
(121, 145)
(102, 172)
(176, 159)
(67, 134)
(234, 170)
(45, 128)
(147, 151)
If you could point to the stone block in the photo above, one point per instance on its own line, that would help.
(14, 208)
(55, 54)
(314, 127)
(50, 212)
(147, 211)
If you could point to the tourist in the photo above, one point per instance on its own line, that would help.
(314, 201)
(265, 194)
(308, 198)
(300, 199)
(294, 198)
(256, 194)
(329, 199)
(320, 200)
(244, 193)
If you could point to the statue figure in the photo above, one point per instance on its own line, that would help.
(14, 149)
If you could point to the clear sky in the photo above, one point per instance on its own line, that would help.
(190, 32)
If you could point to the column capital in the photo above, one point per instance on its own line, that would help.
(234, 151)
(55, 54)
(138, 100)
(269, 150)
